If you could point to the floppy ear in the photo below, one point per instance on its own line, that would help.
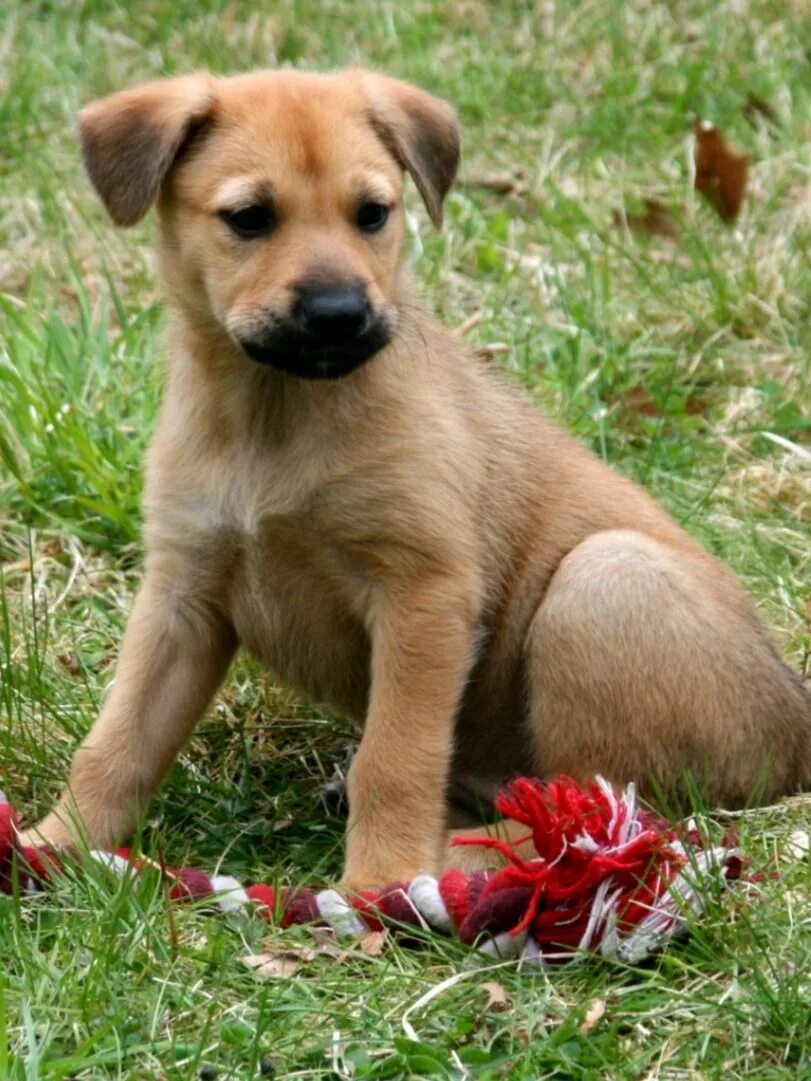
(130, 140)
(420, 131)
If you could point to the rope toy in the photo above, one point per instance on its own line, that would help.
(610, 878)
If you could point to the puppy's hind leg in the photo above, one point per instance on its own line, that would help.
(645, 663)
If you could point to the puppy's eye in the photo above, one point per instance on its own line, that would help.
(372, 217)
(249, 221)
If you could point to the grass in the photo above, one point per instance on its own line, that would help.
(685, 364)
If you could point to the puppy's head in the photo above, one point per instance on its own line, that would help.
(280, 201)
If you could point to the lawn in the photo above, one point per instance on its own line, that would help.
(682, 359)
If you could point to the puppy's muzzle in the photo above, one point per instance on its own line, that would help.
(330, 331)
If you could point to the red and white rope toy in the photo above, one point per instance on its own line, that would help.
(609, 878)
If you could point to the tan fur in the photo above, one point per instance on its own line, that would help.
(412, 544)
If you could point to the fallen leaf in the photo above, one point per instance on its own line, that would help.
(594, 1013)
(325, 944)
(639, 400)
(282, 824)
(281, 960)
(636, 400)
(496, 995)
(720, 171)
(658, 220)
(501, 184)
(372, 943)
(71, 662)
(271, 966)
(695, 404)
(488, 353)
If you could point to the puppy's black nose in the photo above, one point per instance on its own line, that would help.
(333, 314)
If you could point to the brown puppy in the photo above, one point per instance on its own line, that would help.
(338, 486)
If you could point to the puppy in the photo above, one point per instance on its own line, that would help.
(338, 486)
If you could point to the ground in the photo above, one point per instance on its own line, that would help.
(682, 359)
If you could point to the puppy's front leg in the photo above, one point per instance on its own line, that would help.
(174, 654)
(422, 647)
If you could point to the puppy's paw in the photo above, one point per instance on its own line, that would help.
(353, 887)
(374, 876)
(50, 831)
(379, 854)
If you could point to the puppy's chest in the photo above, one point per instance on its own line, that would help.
(295, 603)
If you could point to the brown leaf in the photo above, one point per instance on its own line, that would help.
(326, 944)
(695, 404)
(372, 943)
(70, 661)
(284, 959)
(720, 171)
(637, 400)
(594, 1013)
(271, 966)
(488, 353)
(657, 220)
(501, 184)
(496, 995)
